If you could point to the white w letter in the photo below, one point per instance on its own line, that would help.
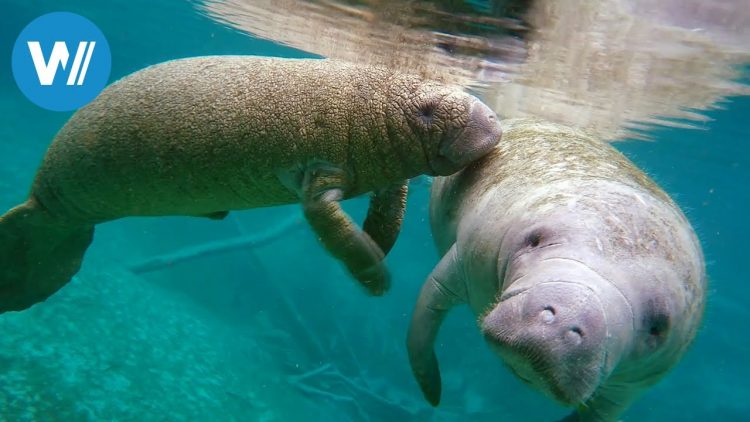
(46, 71)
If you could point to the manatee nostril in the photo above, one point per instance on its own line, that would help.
(574, 335)
(548, 315)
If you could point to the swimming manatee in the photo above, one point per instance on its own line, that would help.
(206, 135)
(586, 279)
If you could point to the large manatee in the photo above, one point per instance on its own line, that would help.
(206, 135)
(586, 278)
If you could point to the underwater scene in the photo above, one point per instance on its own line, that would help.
(550, 277)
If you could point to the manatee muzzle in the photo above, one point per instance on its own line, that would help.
(478, 137)
(553, 335)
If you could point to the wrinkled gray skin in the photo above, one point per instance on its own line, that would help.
(206, 135)
(586, 278)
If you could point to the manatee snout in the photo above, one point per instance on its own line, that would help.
(553, 335)
(478, 137)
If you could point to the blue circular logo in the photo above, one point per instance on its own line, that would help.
(61, 61)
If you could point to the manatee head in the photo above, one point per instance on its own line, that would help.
(599, 293)
(453, 127)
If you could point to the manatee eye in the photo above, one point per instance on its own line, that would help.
(538, 237)
(534, 238)
(656, 321)
(659, 325)
(427, 112)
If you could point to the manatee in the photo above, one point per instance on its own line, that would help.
(587, 280)
(206, 135)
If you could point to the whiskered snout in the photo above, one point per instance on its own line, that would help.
(480, 135)
(553, 335)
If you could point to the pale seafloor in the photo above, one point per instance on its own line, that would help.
(278, 331)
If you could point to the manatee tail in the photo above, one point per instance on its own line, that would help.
(38, 255)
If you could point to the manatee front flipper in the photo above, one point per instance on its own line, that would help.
(322, 189)
(444, 289)
(385, 215)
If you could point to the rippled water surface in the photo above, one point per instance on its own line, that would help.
(276, 330)
(609, 66)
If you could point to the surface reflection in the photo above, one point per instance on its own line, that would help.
(614, 67)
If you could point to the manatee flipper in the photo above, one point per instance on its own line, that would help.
(385, 215)
(38, 255)
(322, 189)
(444, 289)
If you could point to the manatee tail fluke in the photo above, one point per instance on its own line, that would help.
(38, 255)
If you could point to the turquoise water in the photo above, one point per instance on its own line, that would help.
(279, 331)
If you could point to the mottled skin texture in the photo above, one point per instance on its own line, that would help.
(207, 135)
(586, 278)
